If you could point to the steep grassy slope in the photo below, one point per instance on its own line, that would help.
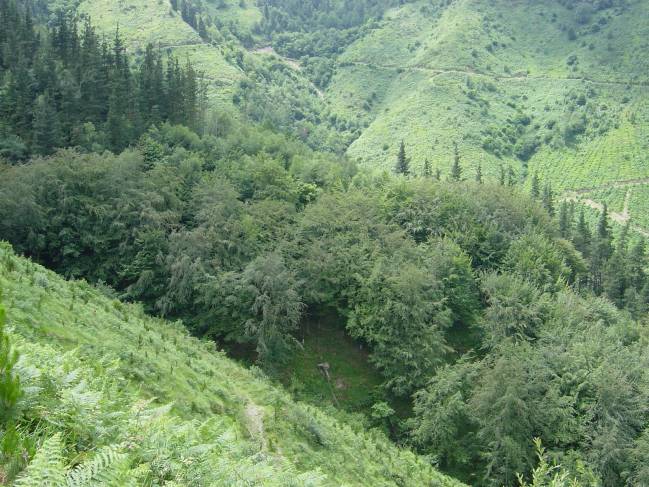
(548, 87)
(475, 59)
(97, 374)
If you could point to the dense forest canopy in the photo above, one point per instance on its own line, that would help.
(66, 86)
(506, 321)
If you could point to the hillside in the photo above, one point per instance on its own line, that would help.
(554, 88)
(306, 242)
(101, 378)
(545, 87)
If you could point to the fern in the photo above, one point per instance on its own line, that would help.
(10, 390)
(106, 468)
(47, 468)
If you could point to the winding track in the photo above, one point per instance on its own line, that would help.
(439, 72)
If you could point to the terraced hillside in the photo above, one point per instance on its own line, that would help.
(541, 87)
(112, 394)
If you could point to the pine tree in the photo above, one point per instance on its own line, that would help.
(93, 91)
(511, 177)
(604, 231)
(403, 165)
(565, 221)
(601, 252)
(501, 178)
(616, 279)
(46, 129)
(548, 199)
(456, 169)
(202, 30)
(438, 174)
(535, 191)
(184, 10)
(428, 172)
(637, 263)
(583, 237)
(478, 174)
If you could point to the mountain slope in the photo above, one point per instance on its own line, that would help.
(97, 374)
(556, 88)
(548, 87)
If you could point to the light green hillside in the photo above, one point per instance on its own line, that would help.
(96, 372)
(546, 87)
(140, 22)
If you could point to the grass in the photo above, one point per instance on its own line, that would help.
(153, 360)
(354, 383)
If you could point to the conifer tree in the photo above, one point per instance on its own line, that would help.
(70, 82)
(637, 263)
(202, 30)
(615, 279)
(601, 251)
(438, 174)
(403, 165)
(501, 178)
(46, 130)
(565, 220)
(478, 174)
(583, 237)
(184, 10)
(428, 172)
(535, 191)
(456, 169)
(604, 233)
(548, 199)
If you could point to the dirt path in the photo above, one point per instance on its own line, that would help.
(625, 211)
(438, 72)
(615, 184)
(619, 218)
(178, 46)
(255, 424)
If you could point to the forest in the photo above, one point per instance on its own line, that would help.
(507, 323)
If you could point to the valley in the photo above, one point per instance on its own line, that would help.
(324, 243)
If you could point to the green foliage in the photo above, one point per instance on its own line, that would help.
(399, 310)
(10, 389)
(276, 306)
(462, 294)
(59, 87)
(539, 260)
(546, 474)
(90, 375)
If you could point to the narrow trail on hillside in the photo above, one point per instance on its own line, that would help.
(469, 72)
(625, 210)
(615, 184)
(178, 46)
(255, 423)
